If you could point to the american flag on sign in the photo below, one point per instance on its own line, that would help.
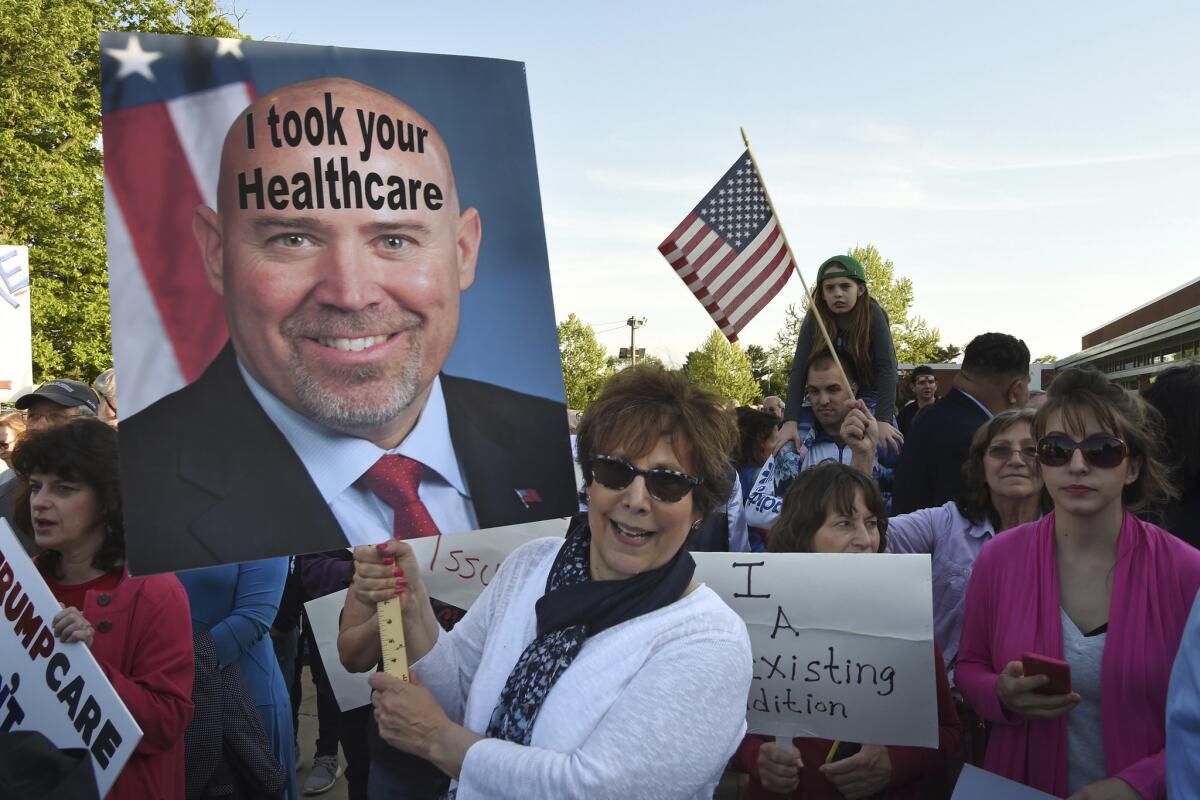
(730, 251)
(167, 103)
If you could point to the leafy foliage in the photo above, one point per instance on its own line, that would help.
(915, 341)
(723, 368)
(51, 175)
(585, 365)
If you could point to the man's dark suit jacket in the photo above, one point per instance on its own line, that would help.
(208, 478)
(935, 450)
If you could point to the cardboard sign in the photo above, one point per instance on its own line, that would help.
(16, 343)
(56, 689)
(843, 643)
(455, 570)
(977, 784)
(350, 689)
(236, 367)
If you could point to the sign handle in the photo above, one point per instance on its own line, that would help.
(391, 639)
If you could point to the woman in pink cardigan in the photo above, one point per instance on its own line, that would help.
(1089, 584)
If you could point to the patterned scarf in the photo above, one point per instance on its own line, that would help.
(573, 608)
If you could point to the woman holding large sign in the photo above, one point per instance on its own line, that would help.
(834, 508)
(1090, 585)
(138, 629)
(592, 666)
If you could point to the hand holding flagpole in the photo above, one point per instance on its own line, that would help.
(815, 312)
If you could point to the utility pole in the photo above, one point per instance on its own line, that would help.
(634, 323)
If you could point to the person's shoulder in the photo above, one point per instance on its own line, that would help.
(1015, 543)
(481, 394)
(529, 556)
(1169, 548)
(703, 614)
(162, 591)
(207, 398)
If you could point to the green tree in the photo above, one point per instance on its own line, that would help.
(584, 362)
(51, 177)
(1047, 359)
(783, 351)
(915, 341)
(944, 354)
(723, 368)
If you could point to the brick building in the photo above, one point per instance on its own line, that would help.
(1146, 340)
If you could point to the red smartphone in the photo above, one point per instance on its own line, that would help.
(1058, 671)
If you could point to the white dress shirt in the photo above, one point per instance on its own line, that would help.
(336, 461)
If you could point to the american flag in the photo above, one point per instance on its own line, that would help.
(167, 103)
(730, 251)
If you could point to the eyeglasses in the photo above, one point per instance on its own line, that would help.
(1002, 453)
(665, 485)
(1104, 452)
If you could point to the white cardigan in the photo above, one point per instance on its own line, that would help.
(651, 708)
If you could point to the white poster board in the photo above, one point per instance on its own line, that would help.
(455, 569)
(350, 689)
(977, 784)
(16, 343)
(56, 689)
(843, 643)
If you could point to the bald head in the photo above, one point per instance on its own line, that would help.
(319, 123)
(340, 249)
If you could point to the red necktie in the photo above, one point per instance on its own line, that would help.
(394, 480)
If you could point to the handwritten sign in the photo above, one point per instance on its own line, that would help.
(843, 643)
(455, 568)
(978, 784)
(16, 348)
(54, 688)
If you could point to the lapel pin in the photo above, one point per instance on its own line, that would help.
(527, 496)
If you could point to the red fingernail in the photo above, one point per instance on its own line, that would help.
(399, 591)
(382, 545)
(399, 573)
(401, 582)
(389, 561)
(399, 570)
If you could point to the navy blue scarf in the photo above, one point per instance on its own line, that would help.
(573, 608)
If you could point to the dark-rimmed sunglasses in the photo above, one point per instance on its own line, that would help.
(665, 485)
(1104, 452)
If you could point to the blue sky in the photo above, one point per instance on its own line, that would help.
(1033, 167)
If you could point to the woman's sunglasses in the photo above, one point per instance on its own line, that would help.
(1104, 452)
(665, 485)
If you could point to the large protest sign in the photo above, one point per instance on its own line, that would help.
(16, 344)
(455, 570)
(301, 282)
(56, 689)
(843, 643)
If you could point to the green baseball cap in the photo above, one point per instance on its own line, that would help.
(841, 267)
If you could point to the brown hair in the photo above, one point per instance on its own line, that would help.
(813, 496)
(975, 502)
(1126, 415)
(83, 450)
(858, 335)
(641, 404)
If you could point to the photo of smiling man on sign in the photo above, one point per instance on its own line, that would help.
(339, 248)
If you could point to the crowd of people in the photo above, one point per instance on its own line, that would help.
(597, 666)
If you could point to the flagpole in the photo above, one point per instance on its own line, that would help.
(815, 311)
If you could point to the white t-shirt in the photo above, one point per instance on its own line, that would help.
(651, 708)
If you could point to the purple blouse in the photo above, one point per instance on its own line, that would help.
(953, 543)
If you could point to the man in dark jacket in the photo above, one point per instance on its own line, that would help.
(994, 377)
